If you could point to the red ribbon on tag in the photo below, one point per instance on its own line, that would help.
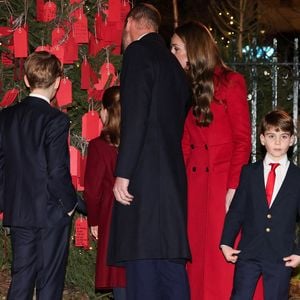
(9, 97)
(64, 92)
(81, 232)
(20, 42)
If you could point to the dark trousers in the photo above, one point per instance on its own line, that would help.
(156, 280)
(276, 279)
(39, 260)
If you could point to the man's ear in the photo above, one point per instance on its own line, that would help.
(26, 81)
(57, 82)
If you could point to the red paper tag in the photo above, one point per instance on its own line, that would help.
(39, 10)
(20, 42)
(114, 10)
(94, 45)
(49, 11)
(64, 93)
(95, 94)
(59, 52)
(91, 125)
(71, 51)
(74, 161)
(57, 35)
(1, 216)
(5, 31)
(80, 30)
(125, 8)
(99, 23)
(7, 57)
(43, 48)
(9, 97)
(107, 71)
(81, 232)
(85, 74)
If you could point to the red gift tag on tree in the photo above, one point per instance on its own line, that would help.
(99, 23)
(95, 94)
(74, 161)
(39, 10)
(20, 42)
(80, 29)
(59, 52)
(64, 92)
(114, 10)
(95, 45)
(1, 216)
(125, 8)
(43, 48)
(85, 74)
(49, 11)
(71, 50)
(57, 35)
(7, 57)
(91, 125)
(81, 232)
(9, 97)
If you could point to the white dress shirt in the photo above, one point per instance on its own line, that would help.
(40, 96)
(280, 172)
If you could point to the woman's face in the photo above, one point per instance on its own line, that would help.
(178, 49)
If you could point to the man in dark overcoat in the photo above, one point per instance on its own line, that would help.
(148, 233)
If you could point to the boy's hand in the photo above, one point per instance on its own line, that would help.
(292, 260)
(230, 254)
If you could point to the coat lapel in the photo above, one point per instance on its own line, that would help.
(260, 183)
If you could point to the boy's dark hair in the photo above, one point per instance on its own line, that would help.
(279, 120)
(146, 12)
(41, 69)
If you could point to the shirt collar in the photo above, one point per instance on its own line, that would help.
(40, 96)
(283, 162)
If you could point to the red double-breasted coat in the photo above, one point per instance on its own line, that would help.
(214, 156)
(98, 182)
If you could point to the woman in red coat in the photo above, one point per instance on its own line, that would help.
(98, 182)
(216, 144)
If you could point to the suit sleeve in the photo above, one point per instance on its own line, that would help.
(58, 162)
(238, 111)
(136, 94)
(94, 174)
(236, 213)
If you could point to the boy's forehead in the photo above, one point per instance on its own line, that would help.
(272, 129)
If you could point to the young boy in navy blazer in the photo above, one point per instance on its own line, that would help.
(36, 191)
(267, 246)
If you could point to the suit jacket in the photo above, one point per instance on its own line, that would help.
(154, 99)
(34, 163)
(266, 233)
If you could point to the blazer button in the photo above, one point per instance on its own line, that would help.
(206, 169)
(192, 146)
(269, 216)
(268, 229)
(194, 169)
(206, 147)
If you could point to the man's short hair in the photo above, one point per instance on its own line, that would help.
(42, 69)
(278, 120)
(147, 13)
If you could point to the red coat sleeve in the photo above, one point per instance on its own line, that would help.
(239, 118)
(94, 174)
(186, 143)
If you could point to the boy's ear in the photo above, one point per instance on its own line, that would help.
(262, 139)
(26, 81)
(293, 140)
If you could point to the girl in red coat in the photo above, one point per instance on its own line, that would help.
(98, 182)
(216, 144)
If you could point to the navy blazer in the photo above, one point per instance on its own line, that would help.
(34, 163)
(267, 233)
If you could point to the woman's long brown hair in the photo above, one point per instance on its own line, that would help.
(203, 57)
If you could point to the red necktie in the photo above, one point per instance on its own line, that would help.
(271, 182)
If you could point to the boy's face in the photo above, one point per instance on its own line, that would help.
(277, 142)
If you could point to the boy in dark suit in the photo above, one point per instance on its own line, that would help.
(36, 192)
(265, 208)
